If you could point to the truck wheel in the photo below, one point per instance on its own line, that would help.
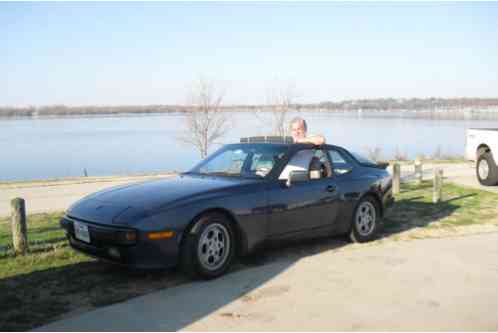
(486, 170)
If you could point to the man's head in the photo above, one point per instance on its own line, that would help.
(298, 128)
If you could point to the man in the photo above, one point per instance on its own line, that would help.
(299, 129)
(301, 161)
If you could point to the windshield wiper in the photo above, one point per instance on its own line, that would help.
(190, 173)
(223, 174)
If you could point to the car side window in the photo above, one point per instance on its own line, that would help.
(262, 164)
(314, 161)
(340, 164)
(324, 165)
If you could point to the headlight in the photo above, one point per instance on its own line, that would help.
(126, 237)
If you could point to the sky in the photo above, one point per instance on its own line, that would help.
(151, 53)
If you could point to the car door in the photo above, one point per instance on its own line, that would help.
(344, 170)
(305, 205)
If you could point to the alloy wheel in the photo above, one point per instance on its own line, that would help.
(365, 218)
(214, 246)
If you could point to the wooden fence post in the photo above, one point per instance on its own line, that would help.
(18, 224)
(396, 178)
(418, 171)
(438, 185)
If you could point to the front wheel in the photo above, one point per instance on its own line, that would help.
(365, 222)
(486, 170)
(209, 251)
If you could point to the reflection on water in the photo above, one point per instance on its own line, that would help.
(61, 147)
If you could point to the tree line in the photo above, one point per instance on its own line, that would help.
(409, 104)
(207, 118)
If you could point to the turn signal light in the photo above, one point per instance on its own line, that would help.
(160, 235)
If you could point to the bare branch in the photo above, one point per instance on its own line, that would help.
(206, 122)
(280, 101)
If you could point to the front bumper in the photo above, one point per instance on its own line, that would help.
(104, 244)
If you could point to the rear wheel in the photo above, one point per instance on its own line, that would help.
(486, 170)
(209, 247)
(365, 222)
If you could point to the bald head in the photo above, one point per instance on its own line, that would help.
(298, 128)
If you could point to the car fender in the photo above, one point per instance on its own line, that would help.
(356, 188)
(246, 208)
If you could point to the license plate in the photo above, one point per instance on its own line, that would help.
(81, 232)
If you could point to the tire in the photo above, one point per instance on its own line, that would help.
(366, 220)
(486, 170)
(208, 248)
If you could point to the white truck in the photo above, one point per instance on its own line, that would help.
(482, 147)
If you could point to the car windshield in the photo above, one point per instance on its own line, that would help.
(362, 159)
(242, 160)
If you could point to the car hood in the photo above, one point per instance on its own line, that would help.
(140, 199)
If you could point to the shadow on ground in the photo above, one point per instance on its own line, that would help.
(411, 213)
(43, 296)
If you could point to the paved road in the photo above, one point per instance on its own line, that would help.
(431, 284)
(55, 196)
(59, 195)
(465, 174)
(460, 173)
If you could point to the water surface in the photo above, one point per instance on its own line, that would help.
(109, 145)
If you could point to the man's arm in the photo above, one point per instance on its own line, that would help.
(315, 139)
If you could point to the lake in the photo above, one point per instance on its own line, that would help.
(130, 144)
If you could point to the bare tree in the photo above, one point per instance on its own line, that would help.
(280, 102)
(399, 155)
(375, 154)
(205, 122)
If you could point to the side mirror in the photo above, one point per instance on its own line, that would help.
(297, 176)
(342, 171)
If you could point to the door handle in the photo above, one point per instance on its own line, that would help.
(331, 188)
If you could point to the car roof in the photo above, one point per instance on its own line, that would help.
(281, 141)
(293, 147)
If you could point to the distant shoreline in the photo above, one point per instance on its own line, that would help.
(386, 105)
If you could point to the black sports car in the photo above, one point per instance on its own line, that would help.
(237, 199)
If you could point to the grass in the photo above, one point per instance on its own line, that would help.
(460, 206)
(44, 233)
(53, 280)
